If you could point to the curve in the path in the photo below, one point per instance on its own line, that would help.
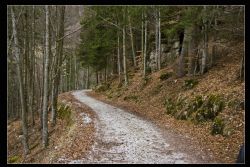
(125, 138)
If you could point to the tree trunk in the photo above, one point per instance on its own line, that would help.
(205, 46)
(118, 57)
(33, 68)
(96, 74)
(46, 78)
(87, 81)
(21, 87)
(124, 51)
(156, 38)
(28, 70)
(159, 38)
(145, 49)
(76, 80)
(54, 77)
(142, 34)
(242, 69)
(132, 41)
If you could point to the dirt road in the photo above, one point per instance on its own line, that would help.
(123, 137)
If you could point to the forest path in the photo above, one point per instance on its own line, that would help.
(122, 137)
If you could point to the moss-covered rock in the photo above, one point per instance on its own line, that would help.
(189, 84)
(217, 126)
(165, 76)
(206, 108)
(214, 104)
(198, 109)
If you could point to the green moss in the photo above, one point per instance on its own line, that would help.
(189, 84)
(181, 114)
(64, 112)
(165, 76)
(205, 108)
(170, 106)
(236, 104)
(197, 102)
(180, 102)
(109, 94)
(199, 109)
(217, 126)
(131, 97)
(14, 159)
(200, 115)
(227, 131)
(102, 88)
(215, 105)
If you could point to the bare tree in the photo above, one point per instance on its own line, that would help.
(159, 38)
(46, 78)
(57, 70)
(205, 43)
(118, 56)
(132, 40)
(21, 86)
(124, 48)
(145, 48)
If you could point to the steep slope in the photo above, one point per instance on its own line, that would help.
(148, 98)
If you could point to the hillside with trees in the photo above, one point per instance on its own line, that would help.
(182, 68)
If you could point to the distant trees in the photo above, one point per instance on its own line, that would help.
(194, 26)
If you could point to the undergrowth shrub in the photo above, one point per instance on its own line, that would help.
(189, 84)
(64, 113)
(14, 159)
(217, 126)
(165, 76)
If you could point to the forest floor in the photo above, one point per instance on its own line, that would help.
(100, 133)
(147, 98)
(71, 138)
